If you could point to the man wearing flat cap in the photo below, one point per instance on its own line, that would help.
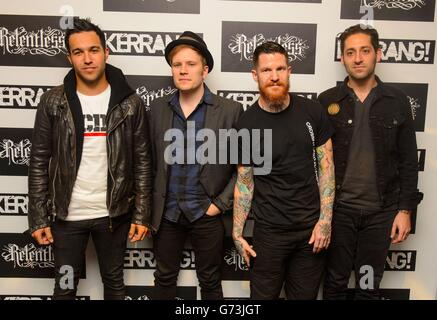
(189, 194)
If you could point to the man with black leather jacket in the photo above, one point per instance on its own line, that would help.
(375, 157)
(90, 166)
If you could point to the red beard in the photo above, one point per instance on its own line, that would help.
(276, 94)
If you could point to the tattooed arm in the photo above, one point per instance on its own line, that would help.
(321, 235)
(243, 193)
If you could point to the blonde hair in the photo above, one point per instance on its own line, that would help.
(184, 46)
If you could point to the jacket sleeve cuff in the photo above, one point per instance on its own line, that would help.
(412, 202)
(219, 204)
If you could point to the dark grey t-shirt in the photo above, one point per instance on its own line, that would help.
(359, 188)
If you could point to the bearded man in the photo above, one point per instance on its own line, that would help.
(292, 204)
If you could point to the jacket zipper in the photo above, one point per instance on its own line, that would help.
(54, 180)
(109, 167)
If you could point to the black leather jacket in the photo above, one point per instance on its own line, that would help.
(394, 140)
(57, 149)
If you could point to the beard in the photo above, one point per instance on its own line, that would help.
(277, 98)
(363, 77)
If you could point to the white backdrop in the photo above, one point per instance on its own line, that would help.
(326, 15)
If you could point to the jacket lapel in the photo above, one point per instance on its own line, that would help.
(211, 118)
(166, 124)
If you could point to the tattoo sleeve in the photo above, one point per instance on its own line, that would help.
(326, 180)
(243, 194)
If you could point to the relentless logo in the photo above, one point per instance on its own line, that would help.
(14, 204)
(138, 43)
(233, 258)
(150, 88)
(402, 51)
(240, 40)
(142, 297)
(145, 259)
(15, 147)
(234, 266)
(398, 10)
(245, 46)
(164, 6)
(28, 256)
(414, 104)
(21, 97)
(401, 261)
(32, 41)
(248, 98)
(44, 41)
(15, 153)
(417, 94)
(393, 4)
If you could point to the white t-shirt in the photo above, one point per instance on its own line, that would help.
(88, 200)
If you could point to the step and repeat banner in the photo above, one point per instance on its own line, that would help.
(33, 60)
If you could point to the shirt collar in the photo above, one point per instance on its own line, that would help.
(207, 97)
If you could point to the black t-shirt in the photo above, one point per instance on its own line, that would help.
(288, 197)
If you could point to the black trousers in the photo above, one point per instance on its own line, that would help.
(207, 241)
(69, 246)
(284, 257)
(360, 242)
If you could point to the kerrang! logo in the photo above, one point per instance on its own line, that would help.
(232, 257)
(29, 256)
(16, 153)
(148, 96)
(393, 4)
(21, 96)
(245, 46)
(47, 41)
(414, 103)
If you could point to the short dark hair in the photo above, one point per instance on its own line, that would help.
(268, 47)
(83, 25)
(358, 28)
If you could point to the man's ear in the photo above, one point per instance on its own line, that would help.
(378, 55)
(254, 75)
(205, 71)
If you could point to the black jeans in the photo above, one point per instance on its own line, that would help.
(284, 256)
(207, 241)
(70, 243)
(360, 241)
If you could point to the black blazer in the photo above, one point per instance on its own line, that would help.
(218, 180)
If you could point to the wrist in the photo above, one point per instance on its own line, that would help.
(407, 212)
(236, 236)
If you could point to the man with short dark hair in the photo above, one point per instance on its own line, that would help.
(90, 166)
(291, 204)
(375, 156)
(189, 196)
